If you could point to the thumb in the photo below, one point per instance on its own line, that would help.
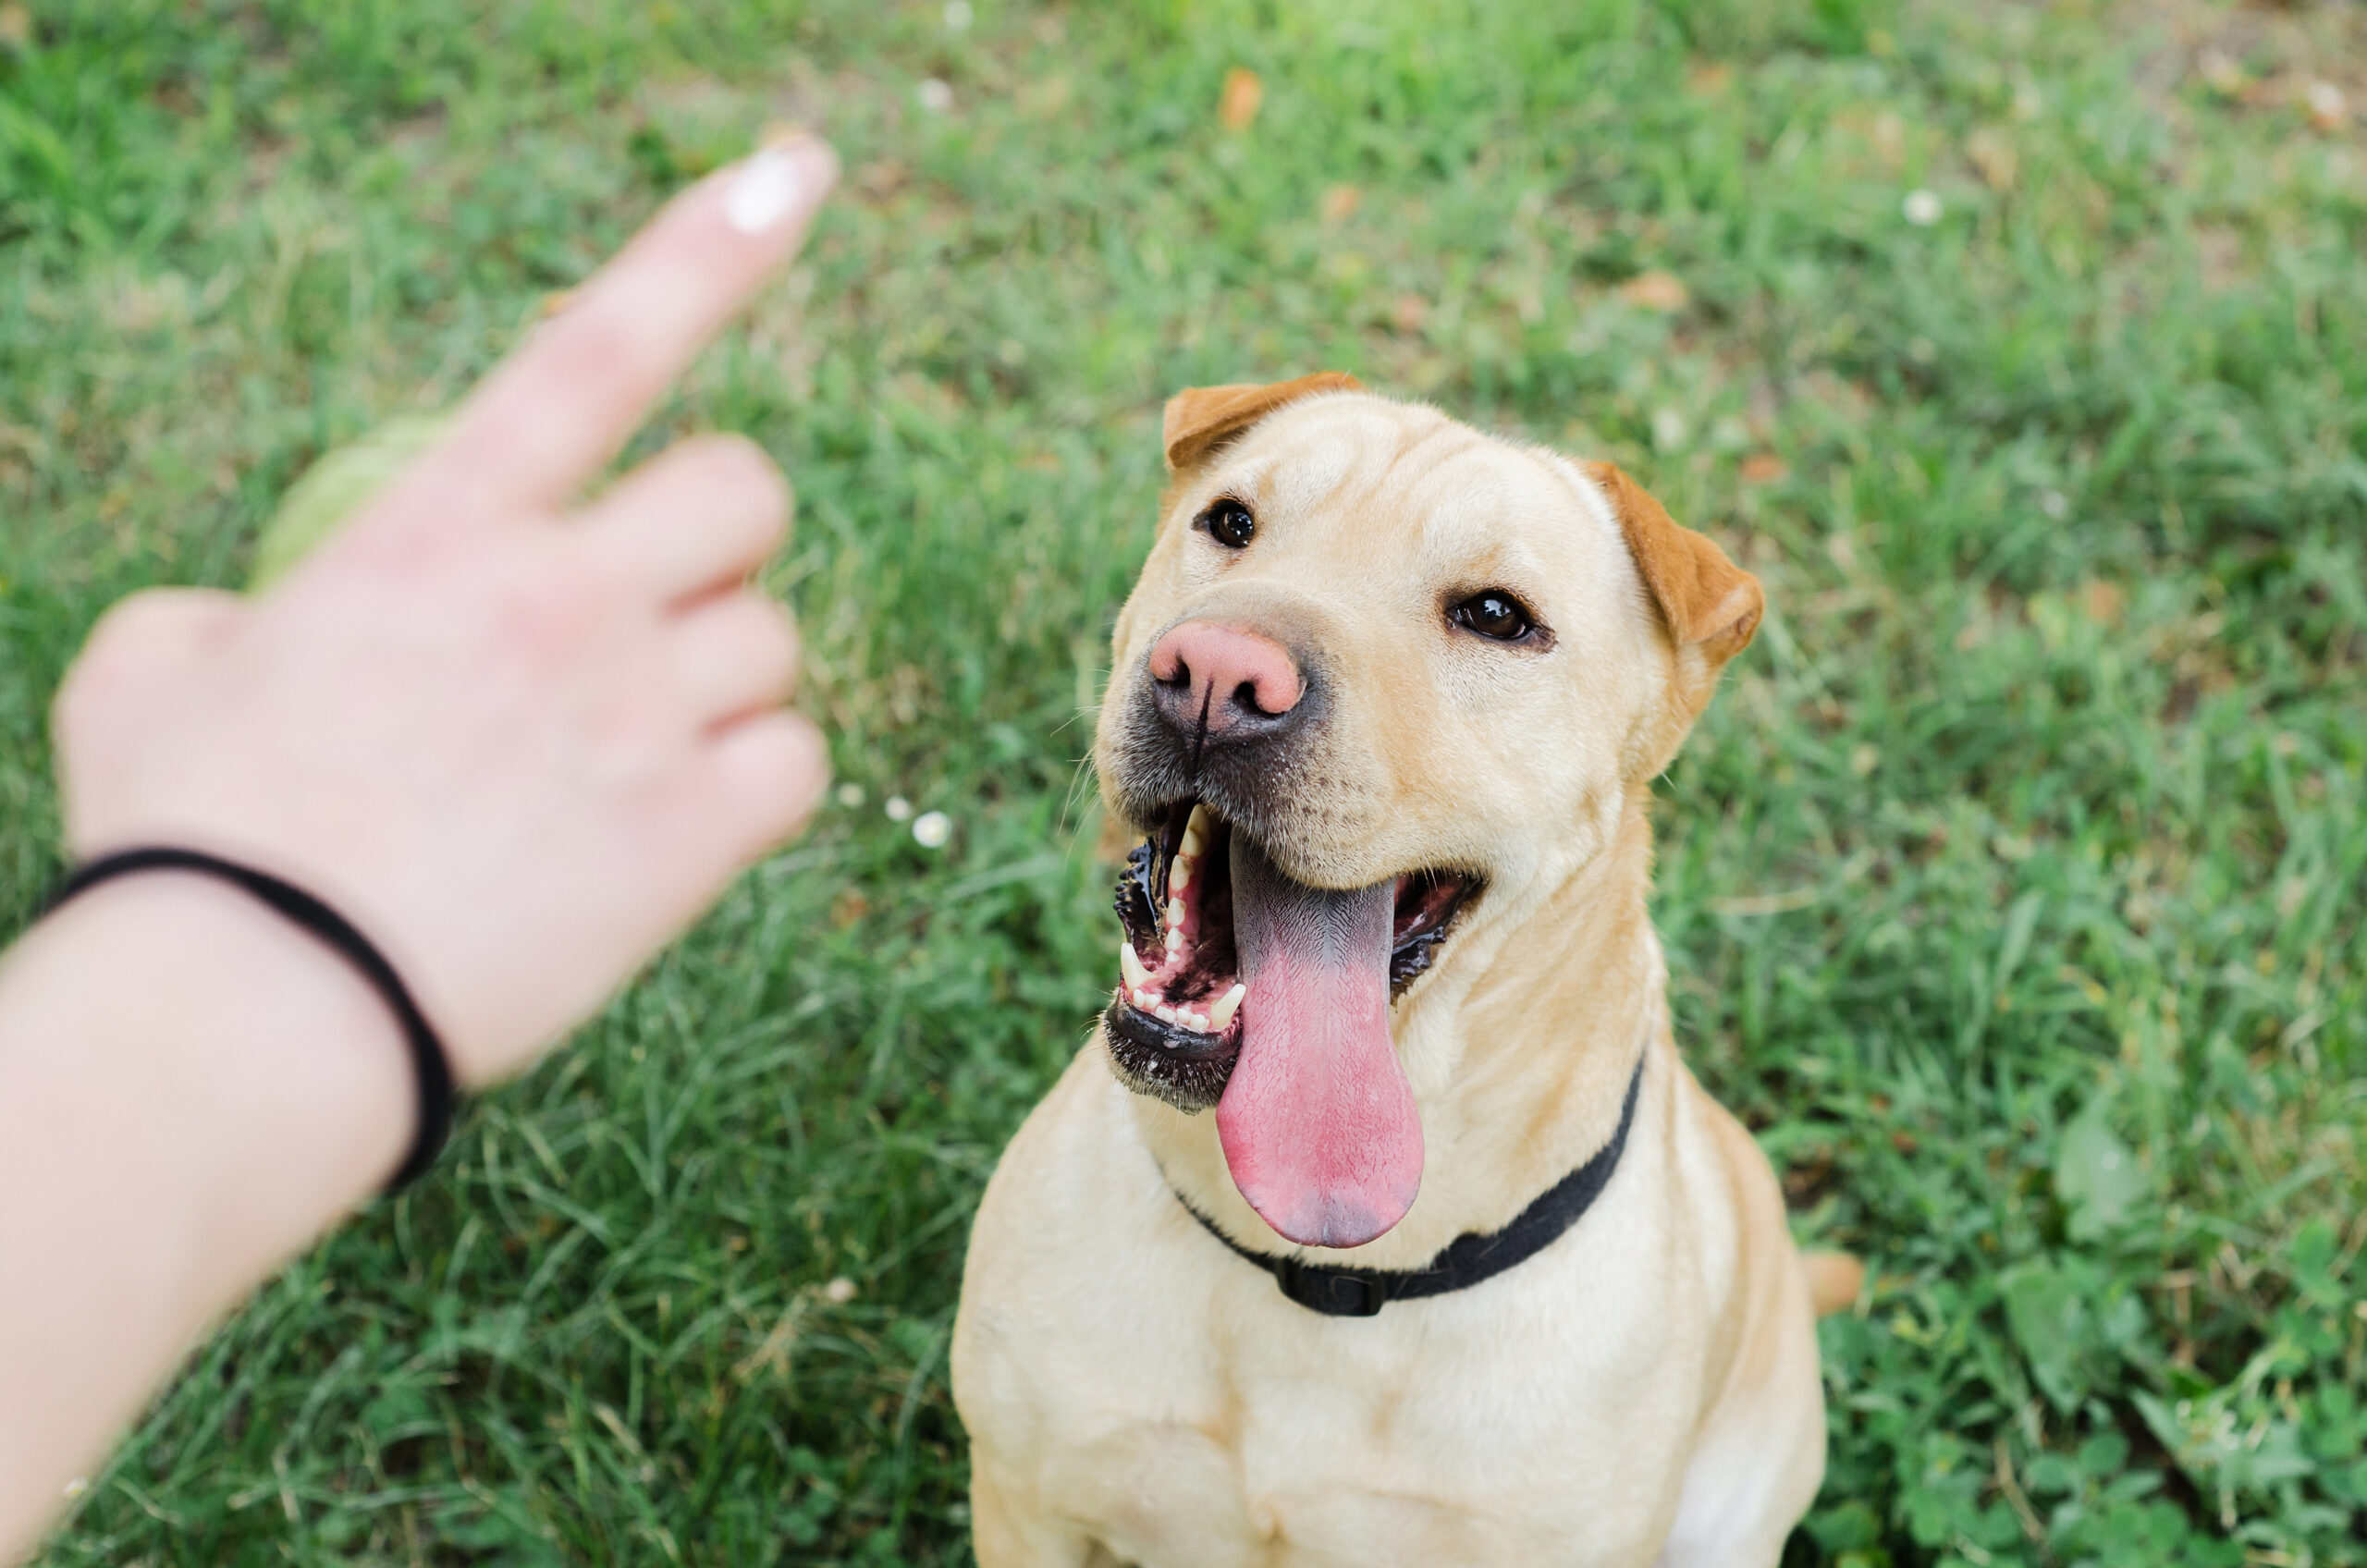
(135, 640)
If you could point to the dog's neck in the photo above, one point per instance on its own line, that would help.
(1519, 1046)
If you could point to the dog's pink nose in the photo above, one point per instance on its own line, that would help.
(1234, 677)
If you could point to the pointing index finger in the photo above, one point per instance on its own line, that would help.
(552, 413)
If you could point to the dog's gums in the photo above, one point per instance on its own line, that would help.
(1175, 1023)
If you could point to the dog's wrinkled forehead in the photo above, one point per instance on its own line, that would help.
(1301, 457)
(1399, 476)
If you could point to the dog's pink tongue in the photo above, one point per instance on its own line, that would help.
(1318, 1122)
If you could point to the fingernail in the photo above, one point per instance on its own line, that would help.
(772, 185)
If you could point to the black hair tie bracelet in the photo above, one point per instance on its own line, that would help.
(431, 1069)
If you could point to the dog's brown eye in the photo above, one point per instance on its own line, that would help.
(1492, 613)
(1228, 524)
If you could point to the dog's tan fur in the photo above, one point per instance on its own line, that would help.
(1644, 1390)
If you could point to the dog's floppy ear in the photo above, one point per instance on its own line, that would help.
(1707, 602)
(1199, 417)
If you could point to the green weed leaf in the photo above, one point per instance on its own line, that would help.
(2096, 1176)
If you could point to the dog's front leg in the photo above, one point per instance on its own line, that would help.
(1011, 1531)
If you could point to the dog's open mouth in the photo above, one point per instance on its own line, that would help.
(1246, 990)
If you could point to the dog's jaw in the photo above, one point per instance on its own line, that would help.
(1174, 1025)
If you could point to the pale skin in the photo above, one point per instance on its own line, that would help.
(518, 739)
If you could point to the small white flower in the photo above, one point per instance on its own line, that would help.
(1668, 429)
(77, 1486)
(931, 829)
(838, 1291)
(1922, 207)
(899, 809)
(958, 16)
(849, 795)
(2054, 504)
(936, 95)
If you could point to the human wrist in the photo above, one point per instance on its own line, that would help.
(259, 1077)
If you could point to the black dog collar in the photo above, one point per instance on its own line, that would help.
(1462, 1263)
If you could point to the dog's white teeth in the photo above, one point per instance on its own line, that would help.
(1200, 827)
(1222, 1014)
(1174, 916)
(1196, 1021)
(1144, 999)
(1166, 1014)
(1130, 964)
(1180, 878)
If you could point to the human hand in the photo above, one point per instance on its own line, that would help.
(521, 744)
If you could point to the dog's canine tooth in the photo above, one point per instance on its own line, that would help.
(1202, 825)
(1180, 878)
(1222, 1014)
(1131, 964)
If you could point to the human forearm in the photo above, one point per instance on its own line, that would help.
(190, 1089)
(518, 737)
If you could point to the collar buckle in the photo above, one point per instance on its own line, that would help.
(1335, 1292)
(1462, 1263)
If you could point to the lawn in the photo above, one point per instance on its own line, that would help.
(2013, 884)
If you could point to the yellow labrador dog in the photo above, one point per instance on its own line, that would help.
(1383, 1223)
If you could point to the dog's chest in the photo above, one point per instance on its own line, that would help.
(1328, 1441)
(1124, 1374)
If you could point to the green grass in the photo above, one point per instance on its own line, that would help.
(2013, 884)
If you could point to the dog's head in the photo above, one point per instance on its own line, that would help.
(1379, 667)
